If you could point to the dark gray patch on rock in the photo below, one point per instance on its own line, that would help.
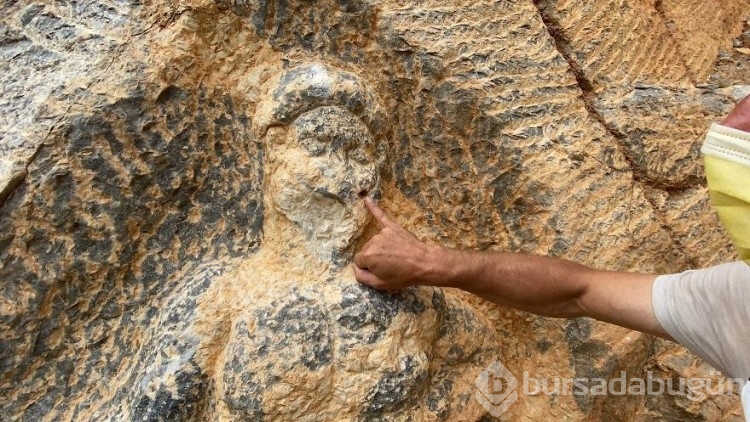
(584, 355)
(366, 313)
(436, 399)
(281, 328)
(289, 25)
(395, 391)
(175, 389)
(300, 321)
(123, 189)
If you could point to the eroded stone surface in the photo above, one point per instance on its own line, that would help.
(179, 198)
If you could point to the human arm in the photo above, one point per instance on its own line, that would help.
(395, 259)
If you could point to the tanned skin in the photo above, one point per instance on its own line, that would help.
(394, 259)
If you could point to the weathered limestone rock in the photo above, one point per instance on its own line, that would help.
(180, 192)
(287, 334)
(702, 31)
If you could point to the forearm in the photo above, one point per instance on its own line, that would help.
(542, 285)
(550, 287)
(394, 259)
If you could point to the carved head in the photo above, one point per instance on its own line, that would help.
(324, 133)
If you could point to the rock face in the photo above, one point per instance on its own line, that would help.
(180, 184)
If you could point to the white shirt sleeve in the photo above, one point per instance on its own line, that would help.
(708, 312)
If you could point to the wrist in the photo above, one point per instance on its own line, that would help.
(445, 266)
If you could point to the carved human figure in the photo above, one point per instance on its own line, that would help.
(323, 132)
(290, 329)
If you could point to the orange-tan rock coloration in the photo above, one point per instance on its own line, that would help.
(180, 187)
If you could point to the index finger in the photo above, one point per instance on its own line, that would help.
(379, 215)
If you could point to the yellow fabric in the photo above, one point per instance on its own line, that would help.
(729, 187)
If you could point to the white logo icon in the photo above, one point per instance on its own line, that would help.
(496, 389)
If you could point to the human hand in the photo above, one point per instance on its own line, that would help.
(739, 118)
(394, 259)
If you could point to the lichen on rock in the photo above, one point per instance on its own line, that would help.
(180, 189)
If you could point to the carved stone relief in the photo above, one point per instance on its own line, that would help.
(180, 189)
